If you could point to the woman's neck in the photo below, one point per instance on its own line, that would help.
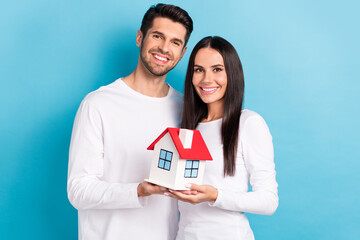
(215, 111)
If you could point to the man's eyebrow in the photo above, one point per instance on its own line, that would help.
(157, 32)
(178, 40)
(162, 34)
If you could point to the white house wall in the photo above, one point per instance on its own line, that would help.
(160, 176)
(181, 181)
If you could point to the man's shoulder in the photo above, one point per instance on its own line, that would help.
(103, 92)
(176, 95)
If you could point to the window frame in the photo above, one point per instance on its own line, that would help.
(165, 160)
(192, 168)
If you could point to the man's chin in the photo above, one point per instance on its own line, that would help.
(159, 73)
(156, 70)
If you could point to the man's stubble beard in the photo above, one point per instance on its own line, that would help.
(151, 69)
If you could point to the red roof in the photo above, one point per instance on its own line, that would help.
(198, 151)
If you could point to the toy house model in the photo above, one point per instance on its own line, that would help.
(179, 158)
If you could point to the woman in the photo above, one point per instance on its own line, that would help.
(239, 142)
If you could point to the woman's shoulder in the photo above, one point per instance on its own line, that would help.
(246, 114)
(251, 118)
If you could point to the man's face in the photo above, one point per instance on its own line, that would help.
(162, 47)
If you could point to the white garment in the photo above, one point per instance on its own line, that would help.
(108, 159)
(225, 219)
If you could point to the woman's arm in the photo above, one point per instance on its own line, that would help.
(258, 155)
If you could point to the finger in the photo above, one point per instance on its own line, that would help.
(161, 190)
(155, 189)
(182, 196)
(187, 192)
(169, 194)
(195, 187)
(176, 196)
(156, 186)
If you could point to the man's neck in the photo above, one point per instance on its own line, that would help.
(147, 84)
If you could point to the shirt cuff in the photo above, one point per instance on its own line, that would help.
(139, 202)
(218, 199)
(143, 201)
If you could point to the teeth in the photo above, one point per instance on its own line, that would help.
(160, 58)
(208, 89)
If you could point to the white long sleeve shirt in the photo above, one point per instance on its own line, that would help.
(225, 219)
(108, 159)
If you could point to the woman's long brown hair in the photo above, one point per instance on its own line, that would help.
(196, 110)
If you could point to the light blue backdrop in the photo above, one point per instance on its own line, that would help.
(301, 63)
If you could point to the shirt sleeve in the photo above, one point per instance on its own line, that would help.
(258, 154)
(85, 188)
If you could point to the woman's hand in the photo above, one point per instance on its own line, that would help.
(195, 194)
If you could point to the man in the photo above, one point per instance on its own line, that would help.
(114, 125)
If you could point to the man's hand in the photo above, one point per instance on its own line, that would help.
(195, 194)
(146, 189)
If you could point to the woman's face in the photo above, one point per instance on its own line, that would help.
(210, 79)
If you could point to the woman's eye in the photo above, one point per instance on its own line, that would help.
(197, 70)
(217, 69)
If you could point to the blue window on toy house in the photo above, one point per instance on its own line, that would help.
(191, 168)
(165, 159)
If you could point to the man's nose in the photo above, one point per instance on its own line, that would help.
(164, 46)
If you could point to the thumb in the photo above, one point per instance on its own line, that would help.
(195, 187)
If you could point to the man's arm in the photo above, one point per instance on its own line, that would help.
(85, 188)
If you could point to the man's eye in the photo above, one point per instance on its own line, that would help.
(176, 43)
(156, 36)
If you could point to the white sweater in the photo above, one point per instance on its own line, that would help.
(108, 159)
(225, 219)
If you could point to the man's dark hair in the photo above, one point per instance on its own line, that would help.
(171, 12)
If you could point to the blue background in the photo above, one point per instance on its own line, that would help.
(301, 64)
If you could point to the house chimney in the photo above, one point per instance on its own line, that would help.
(186, 136)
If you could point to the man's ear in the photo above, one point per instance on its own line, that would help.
(183, 52)
(139, 38)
